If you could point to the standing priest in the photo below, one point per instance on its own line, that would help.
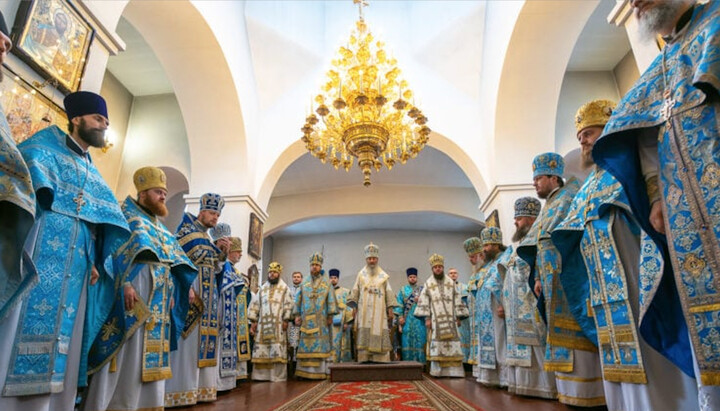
(78, 226)
(441, 306)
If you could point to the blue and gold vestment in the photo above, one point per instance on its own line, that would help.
(342, 339)
(414, 333)
(587, 244)
(314, 304)
(235, 340)
(195, 241)
(564, 334)
(17, 207)
(489, 285)
(684, 124)
(78, 225)
(152, 247)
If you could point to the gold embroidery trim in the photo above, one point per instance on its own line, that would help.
(704, 308)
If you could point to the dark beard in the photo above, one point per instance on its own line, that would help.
(439, 276)
(273, 281)
(157, 208)
(490, 255)
(520, 233)
(95, 137)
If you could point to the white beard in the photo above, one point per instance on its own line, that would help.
(657, 18)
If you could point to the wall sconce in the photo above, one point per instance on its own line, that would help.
(110, 139)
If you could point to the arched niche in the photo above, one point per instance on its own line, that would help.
(437, 141)
(196, 66)
(530, 83)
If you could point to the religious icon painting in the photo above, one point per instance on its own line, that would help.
(255, 237)
(53, 38)
(27, 111)
(254, 276)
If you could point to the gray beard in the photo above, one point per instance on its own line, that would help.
(657, 18)
(372, 271)
(520, 233)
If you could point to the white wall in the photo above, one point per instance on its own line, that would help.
(578, 88)
(398, 251)
(156, 137)
(119, 105)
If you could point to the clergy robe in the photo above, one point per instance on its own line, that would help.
(490, 327)
(371, 296)
(293, 330)
(664, 147)
(441, 302)
(568, 352)
(413, 335)
(465, 332)
(341, 339)
(600, 238)
(232, 318)
(44, 341)
(271, 307)
(525, 333)
(469, 300)
(194, 364)
(130, 358)
(17, 206)
(314, 304)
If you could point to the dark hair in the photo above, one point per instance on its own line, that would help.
(502, 247)
(71, 127)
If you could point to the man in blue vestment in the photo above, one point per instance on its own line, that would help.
(413, 334)
(314, 309)
(568, 351)
(341, 329)
(130, 358)
(661, 144)
(234, 332)
(17, 208)
(609, 291)
(489, 310)
(44, 341)
(194, 364)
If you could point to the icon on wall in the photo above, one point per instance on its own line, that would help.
(54, 39)
(255, 237)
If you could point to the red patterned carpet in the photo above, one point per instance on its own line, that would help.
(422, 395)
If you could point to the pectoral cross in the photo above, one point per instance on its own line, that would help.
(668, 105)
(79, 201)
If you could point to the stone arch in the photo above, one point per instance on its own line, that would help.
(178, 186)
(535, 63)
(196, 66)
(438, 141)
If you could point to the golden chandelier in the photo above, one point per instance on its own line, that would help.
(364, 109)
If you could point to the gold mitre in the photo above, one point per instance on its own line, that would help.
(436, 259)
(235, 244)
(594, 113)
(149, 177)
(275, 266)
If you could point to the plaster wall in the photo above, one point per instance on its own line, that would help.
(626, 73)
(119, 104)
(578, 88)
(285, 210)
(398, 251)
(155, 137)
